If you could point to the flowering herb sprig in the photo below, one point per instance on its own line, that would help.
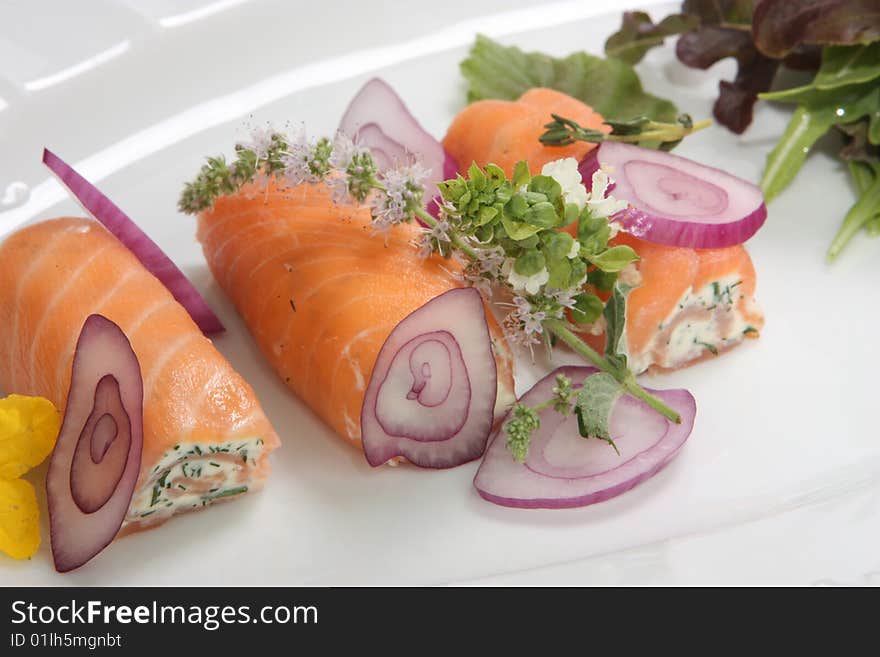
(591, 402)
(505, 231)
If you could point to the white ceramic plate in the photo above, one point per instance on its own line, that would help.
(776, 484)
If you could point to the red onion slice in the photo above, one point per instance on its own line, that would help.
(676, 201)
(146, 250)
(565, 470)
(97, 458)
(431, 395)
(378, 118)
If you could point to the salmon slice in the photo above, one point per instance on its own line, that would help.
(206, 437)
(320, 292)
(505, 132)
(690, 304)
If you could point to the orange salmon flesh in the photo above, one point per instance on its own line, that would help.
(320, 292)
(53, 275)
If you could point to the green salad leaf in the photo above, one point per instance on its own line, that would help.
(841, 66)
(610, 86)
(818, 111)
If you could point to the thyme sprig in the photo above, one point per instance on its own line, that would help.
(563, 132)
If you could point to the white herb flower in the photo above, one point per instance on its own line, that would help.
(440, 231)
(565, 172)
(479, 282)
(490, 261)
(338, 183)
(260, 141)
(575, 251)
(531, 284)
(601, 205)
(514, 333)
(300, 160)
(522, 325)
(404, 188)
(565, 298)
(426, 245)
(354, 172)
(530, 318)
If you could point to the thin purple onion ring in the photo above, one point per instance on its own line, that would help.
(676, 201)
(97, 458)
(146, 250)
(431, 394)
(566, 470)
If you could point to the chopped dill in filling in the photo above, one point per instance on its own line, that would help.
(191, 475)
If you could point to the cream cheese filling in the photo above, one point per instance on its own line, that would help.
(709, 319)
(192, 475)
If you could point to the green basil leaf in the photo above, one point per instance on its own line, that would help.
(557, 245)
(587, 308)
(542, 214)
(517, 230)
(614, 259)
(521, 174)
(529, 263)
(560, 272)
(602, 280)
(594, 403)
(615, 319)
(547, 186)
(578, 273)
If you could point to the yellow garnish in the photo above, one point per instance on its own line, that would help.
(28, 430)
(19, 519)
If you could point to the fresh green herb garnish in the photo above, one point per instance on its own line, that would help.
(595, 400)
(523, 421)
(562, 131)
(591, 403)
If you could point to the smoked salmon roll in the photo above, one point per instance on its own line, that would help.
(686, 305)
(206, 437)
(321, 293)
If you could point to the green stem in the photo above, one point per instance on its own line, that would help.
(661, 132)
(456, 240)
(558, 327)
(626, 379)
(864, 209)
